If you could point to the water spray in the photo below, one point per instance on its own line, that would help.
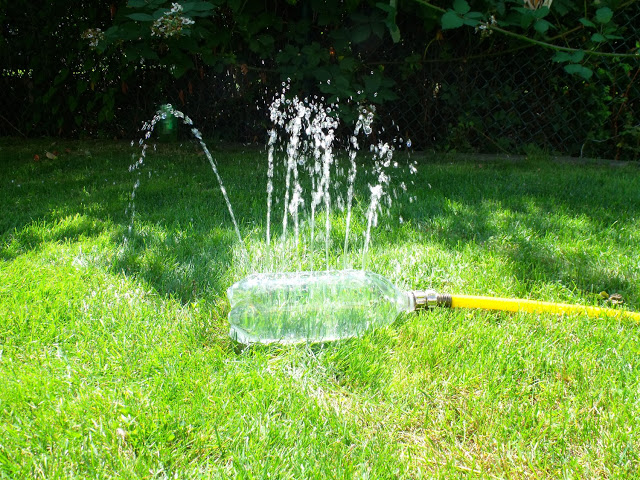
(334, 305)
(167, 119)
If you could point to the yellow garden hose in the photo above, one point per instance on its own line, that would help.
(533, 306)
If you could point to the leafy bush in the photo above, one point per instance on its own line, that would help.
(109, 68)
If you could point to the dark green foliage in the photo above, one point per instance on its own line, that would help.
(458, 64)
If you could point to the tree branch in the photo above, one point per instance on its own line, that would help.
(12, 125)
(533, 41)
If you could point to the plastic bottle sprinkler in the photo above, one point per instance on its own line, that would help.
(332, 305)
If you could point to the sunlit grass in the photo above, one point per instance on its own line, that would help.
(115, 359)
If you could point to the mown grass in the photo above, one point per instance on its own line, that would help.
(115, 360)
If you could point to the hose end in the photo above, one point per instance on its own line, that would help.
(423, 299)
(444, 300)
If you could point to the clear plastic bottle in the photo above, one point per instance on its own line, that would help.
(313, 306)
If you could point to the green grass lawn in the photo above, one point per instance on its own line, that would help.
(115, 359)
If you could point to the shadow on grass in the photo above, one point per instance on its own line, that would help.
(184, 266)
(182, 244)
(547, 222)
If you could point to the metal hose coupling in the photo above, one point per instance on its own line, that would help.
(429, 299)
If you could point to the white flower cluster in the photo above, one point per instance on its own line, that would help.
(171, 23)
(94, 35)
(485, 28)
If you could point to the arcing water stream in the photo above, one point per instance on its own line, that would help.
(148, 129)
(302, 144)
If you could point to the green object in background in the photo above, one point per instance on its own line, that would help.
(168, 126)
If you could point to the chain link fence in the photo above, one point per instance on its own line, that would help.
(484, 95)
(488, 96)
(468, 92)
